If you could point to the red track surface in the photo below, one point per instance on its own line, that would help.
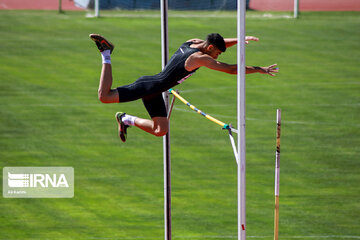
(261, 5)
(37, 4)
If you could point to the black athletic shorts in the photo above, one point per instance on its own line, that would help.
(150, 91)
(155, 105)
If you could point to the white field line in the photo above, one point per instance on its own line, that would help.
(287, 105)
(190, 15)
(235, 237)
(208, 237)
(283, 237)
(283, 84)
(53, 105)
(203, 105)
(181, 109)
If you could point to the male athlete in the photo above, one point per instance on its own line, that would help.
(191, 55)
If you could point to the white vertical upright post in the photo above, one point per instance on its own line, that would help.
(166, 138)
(96, 7)
(296, 8)
(241, 11)
(277, 174)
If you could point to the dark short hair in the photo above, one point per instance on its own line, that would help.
(217, 40)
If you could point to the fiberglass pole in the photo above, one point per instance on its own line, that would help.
(166, 138)
(241, 10)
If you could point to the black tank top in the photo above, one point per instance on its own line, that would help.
(174, 72)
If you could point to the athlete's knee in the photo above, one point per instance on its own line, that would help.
(102, 96)
(161, 133)
(161, 126)
(108, 97)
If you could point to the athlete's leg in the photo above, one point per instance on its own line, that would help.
(157, 126)
(105, 93)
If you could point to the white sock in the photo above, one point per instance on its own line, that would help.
(129, 120)
(106, 56)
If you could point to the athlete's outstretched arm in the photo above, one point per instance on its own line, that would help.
(195, 40)
(271, 70)
(209, 62)
(229, 42)
(250, 38)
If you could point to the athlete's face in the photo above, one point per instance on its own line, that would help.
(214, 52)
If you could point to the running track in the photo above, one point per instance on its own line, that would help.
(261, 5)
(37, 4)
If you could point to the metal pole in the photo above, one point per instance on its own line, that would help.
(96, 8)
(166, 138)
(241, 10)
(296, 8)
(277, 174)
(60, 6)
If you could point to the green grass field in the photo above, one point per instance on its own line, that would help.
(50, 116)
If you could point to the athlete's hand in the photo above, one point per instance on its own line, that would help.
(271, 70)
(250, 38)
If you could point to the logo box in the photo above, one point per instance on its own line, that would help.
(38, 182)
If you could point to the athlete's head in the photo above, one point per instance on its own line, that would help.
(215, 44)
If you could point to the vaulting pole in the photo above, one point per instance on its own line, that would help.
(214, 120)
(166, 138)
(241, 10)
